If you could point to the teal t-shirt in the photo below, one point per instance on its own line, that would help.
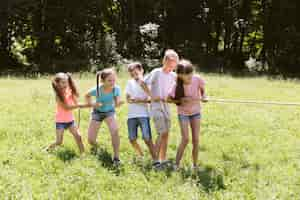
(107, 99)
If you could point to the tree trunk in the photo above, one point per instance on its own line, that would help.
(242, 40)
(5, 57)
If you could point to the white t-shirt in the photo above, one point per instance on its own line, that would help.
(134, 90)
(161, 84)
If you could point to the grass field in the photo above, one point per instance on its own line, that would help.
(247, 151)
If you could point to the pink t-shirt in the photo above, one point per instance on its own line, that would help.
(191, 90)
(63, 115)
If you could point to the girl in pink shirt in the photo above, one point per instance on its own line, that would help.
(66, 100)
(187, 93)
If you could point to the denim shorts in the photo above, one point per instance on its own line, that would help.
(189, 117)
(143, 123)
(64, 125)
(100, 116)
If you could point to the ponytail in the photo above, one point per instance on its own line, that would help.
(72, 85)
(57, 91)
(179, 91)
(97, 83)
(183, 67)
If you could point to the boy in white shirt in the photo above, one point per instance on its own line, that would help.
(138, 111)
(158, 85)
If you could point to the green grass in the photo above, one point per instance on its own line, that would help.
(247, 151)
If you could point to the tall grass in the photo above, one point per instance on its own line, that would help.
(246, 151)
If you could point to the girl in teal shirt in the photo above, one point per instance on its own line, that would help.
(107, 94)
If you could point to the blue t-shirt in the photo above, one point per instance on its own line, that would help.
(107, 99)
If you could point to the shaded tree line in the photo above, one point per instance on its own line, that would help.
(241, 36)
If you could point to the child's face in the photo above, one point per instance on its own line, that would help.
(136, 73)
(110, 80)
(186, 78)
(170, 64)
(63, 84)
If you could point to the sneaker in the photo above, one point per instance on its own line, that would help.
(195, 168)
(165, 162)
(159, 167)
(155, 164)
(116, 162)
(175, 167)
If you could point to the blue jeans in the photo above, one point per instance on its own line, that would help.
(100, 116)
(189, 117)
(64, 125)
(143, 123)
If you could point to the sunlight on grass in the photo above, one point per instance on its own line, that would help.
(247, 151)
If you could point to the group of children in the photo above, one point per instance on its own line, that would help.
(148, 98)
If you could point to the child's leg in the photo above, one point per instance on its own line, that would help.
(157, 146)
(59, 139)
(75, 132)
(164, 137)
(195, 125)
(144, 123)
(137, 147)
(93, 131)
(132, 125)
(151, 148)
(114, 131)
(184, 127)
(162, 125)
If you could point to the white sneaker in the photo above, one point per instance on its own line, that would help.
(175, 167)
(156, 164)
(195, 167)
(165, 162)
(116, 162)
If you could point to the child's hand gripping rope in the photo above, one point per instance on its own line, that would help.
(90, 105)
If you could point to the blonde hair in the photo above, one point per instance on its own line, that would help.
(170, 54)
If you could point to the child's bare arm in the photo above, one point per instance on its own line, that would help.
(171, 100)
(137, 100)
(90, 105)
(77, 105)
(75, 99)
(145, 88)
(118, 101)
(88, 98)
(204, 98)
(89, 102)
(129, 99)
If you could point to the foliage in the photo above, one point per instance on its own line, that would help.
(219, 35)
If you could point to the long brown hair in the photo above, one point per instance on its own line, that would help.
(59, 93)
(103, 75)
(184, 67)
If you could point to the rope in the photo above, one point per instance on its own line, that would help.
(253, 102)
(78, 118)
(247, 102)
